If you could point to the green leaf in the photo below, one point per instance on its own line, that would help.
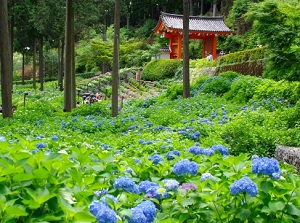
(187, 202)
(41, 173)
(84, 217)
(243, 214)
(276, 205)
(266, 186)
(293, 210)
(16, 211)
(40, 195)
(19, 177)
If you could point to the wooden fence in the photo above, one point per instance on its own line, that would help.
(253, 68)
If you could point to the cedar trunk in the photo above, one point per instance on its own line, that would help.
(6, 62)
(186, 73)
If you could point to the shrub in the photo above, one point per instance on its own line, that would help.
(172, 92)
(282, 90)
(243, 89)
(216, 85)
(160, 69)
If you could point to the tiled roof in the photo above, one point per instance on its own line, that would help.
(197, 23)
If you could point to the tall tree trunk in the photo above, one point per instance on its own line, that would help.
(202, 6)
(12, 26)
(73, 58)
(68, 58)
(214, 7)
(6, 62)
(61, 65)
(186, 73)
(23, 68)
(104, 38)
(41, 63)
(191, 7)
(115, 71)
(34, 65)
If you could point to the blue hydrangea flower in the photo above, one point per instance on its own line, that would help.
(2, 139)
(102, 212)
(171, 155)
(222, 149)
(99, 193)
(170, 184)
(41, 145)
(206, 176)
(145, 212)
(156, 192)
(55, 138)
(208, 152)
(126, 184)
(40, 136)
(266, 166)
(109, 196)
(138, 216)
(136, 160)
(185, 167)
(244, 184)
(195, 150)
(145, 185)
(132, 127)
(155, 158)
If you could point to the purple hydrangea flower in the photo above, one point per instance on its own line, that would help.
(126, 184)
(185, 167)
(188, 186)
(102, 212)
(244, 184)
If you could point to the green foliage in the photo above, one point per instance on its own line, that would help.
(243, 56)
(277, 23)
(243, 89)
(54, 179)
(216, 85)
(282, 90)
(172, 93)
(200, 63)
(161, 69)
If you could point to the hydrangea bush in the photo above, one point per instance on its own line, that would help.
(176, 161)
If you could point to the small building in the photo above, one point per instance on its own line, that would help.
(205, 28)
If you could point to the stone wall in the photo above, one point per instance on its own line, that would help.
(290, 155)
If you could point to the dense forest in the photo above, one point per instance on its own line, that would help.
(38, 29)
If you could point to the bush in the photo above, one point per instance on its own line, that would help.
(216, 85)
(243, 89)
(161, 69)
(281, 90)
(172, 93)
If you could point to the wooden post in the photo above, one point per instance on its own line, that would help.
(214, 46)
(179, 49)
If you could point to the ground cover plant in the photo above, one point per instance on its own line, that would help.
(209, 158)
